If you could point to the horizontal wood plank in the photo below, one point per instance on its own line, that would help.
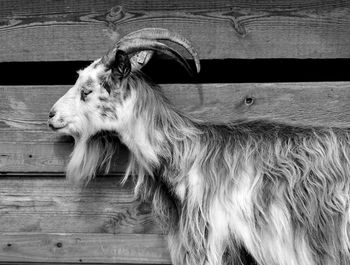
(83, 248)
(27, 144)
(44, 219)
(44, 157)
(47, 220)
(83, 30)
(51, 205)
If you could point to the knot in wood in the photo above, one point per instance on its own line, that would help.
(249, 101)
(116, 13)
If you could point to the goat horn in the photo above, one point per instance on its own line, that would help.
(164, 34)
(108, 58)
(135, 45)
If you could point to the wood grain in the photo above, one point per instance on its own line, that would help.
(51, 205)
(83, 30)
(27, 145)
(44, 219)
(83, 248)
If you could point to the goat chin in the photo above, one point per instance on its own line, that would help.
(89, 157)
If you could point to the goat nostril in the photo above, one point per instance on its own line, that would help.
(52, 114)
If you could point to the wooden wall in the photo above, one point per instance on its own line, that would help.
(81, 30)
(43, 218)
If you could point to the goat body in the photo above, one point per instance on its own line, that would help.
(281, 192)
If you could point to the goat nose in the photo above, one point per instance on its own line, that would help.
(52, 113)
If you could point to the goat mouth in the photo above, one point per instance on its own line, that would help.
(55, 128)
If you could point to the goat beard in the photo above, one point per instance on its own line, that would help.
(91, 156)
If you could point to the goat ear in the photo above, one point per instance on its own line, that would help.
(121, 67)
(140, 59)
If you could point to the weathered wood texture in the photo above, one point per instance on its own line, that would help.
(47, 220)
(51, 205)
(83, 248)
(27, 145)
(45, 30)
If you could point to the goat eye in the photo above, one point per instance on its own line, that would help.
(84, 93)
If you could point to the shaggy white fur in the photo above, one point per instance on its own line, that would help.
(281, 192)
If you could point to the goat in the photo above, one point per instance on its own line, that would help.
(279, 191)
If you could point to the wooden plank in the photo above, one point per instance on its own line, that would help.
(44, 157)
(47, 220)
(83, 30)
(26, 108)
(83, 248)
(55, 263)
(51, 205)
(27, 145)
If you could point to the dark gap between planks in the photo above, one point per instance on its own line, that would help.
(166, 71)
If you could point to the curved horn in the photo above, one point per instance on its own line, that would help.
(135, 45)
(146, 39)
(164, 34)
(109, 57)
